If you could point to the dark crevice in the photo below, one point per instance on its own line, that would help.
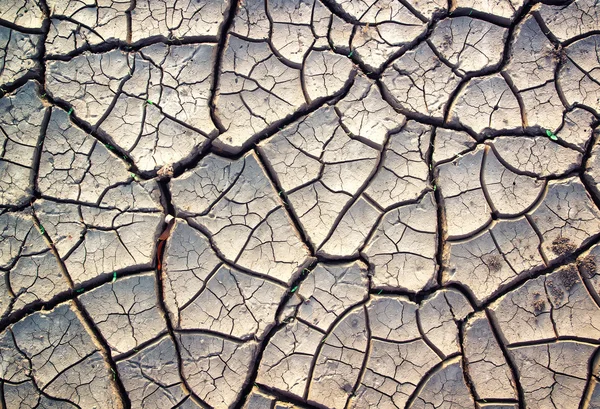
(160, 254)
(360, 191)
(16, 27)
(11, 87)
(67, 295)
(114, 44)
(271, 174)
(540, 21)
(251, 381)
(235, 152)
(591, 185)
(419, 296)
(283, 397)
(92, 130)
(129, 21)
(213, 145)
(517, 96)
(441, 232)
(2, 393)
(365, 361)
(165, 197)
(578, 37)
(589, 286)
(328, 332)
(105, 351)
(230, 262)
(507, 357)
(425, 378)
(425, 338)
(559, 262)
(464, 362)
(221, 45)
(523, 12)
(480, 15)
(555, 339)
(38, 153)
(593, 373)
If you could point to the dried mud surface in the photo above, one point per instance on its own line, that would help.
(299, 204)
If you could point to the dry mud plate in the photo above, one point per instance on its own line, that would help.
(299, 204)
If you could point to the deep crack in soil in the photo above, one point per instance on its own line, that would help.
(300, 204)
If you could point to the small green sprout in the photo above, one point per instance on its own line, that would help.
(70, 112)
(109, 146)
(551, 135)
(42, 230)
(293, 290)
(351, 52)
(434, 188)
(114, 277)
(80, 290)
(114, 374)
(149, 102)
(380, 291)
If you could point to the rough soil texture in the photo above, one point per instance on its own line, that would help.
(299, 204)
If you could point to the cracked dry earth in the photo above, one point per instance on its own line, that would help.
(300, 204)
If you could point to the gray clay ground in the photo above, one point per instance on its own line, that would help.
(300, 204)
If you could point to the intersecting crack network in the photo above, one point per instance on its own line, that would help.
(259, 204)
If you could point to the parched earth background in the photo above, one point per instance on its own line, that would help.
(299, 204)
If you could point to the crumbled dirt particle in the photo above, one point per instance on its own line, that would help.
(568, 277)
(165, 172)
(562, 246)
(539, 304)
(559, 55)
(587, 266)
(555, 291)
(494, 263)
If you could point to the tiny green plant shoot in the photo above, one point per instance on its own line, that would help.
(551, 135)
